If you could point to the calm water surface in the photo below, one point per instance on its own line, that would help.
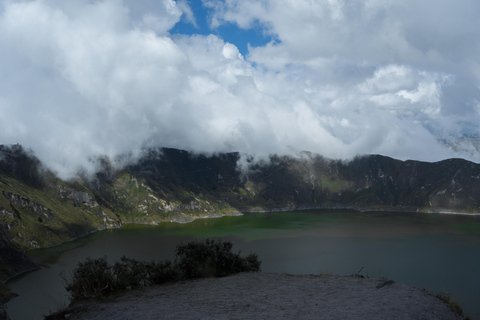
(433, 251)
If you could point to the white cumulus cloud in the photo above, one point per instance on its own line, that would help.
(83, 79)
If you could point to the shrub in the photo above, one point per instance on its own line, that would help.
(212, 259)
(251, 263)
(91, 279)
(95, 278)
(130, 273)
(162, 272)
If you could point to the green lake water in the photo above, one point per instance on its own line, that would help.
(438, 252)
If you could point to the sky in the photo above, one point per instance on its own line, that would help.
(85, 79)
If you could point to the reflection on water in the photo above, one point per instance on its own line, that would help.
(433, 251)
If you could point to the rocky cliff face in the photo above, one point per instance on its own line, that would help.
(37, 209)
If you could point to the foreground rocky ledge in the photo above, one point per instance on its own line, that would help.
(269, 296)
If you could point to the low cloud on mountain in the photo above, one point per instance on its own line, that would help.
(83, 79)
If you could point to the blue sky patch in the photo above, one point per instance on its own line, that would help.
(255, 36)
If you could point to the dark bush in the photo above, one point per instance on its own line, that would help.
(91, 279)
(130, 273)
(251, 263)
(162, 272)
(96, 278)
(212, 259)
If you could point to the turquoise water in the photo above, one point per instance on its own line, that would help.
(433, 251)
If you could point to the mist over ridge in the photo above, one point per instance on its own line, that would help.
(85, 80)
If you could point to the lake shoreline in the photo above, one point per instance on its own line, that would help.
(240, 213)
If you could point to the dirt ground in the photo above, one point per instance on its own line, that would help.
(270, 296)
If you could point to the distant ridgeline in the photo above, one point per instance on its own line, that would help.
(37, 209)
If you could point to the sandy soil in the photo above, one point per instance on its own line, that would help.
(270, 296)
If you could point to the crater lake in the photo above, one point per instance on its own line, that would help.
(438, 252)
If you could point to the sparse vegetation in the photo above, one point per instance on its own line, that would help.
(96, 278)
(454, 306)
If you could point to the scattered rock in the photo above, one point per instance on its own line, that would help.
(384, 283)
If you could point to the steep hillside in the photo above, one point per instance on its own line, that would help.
(37, 209)
(311, 181)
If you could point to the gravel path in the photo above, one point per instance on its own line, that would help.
(270, 296)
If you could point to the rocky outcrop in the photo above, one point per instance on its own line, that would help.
(6, 213)
(80, 198)
(16, 200)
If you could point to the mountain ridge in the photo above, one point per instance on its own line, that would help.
(37, 209)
